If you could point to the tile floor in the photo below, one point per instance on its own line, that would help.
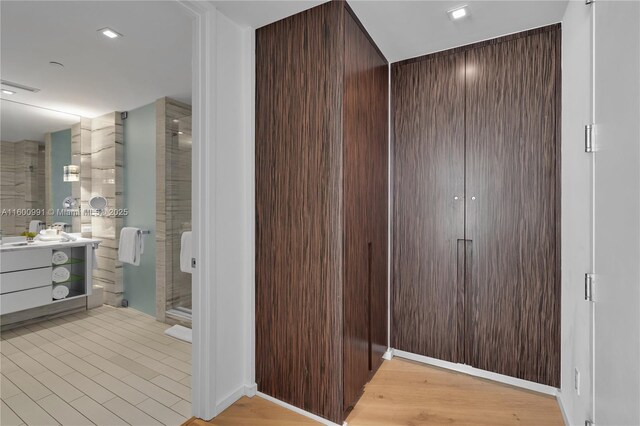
(106, 366)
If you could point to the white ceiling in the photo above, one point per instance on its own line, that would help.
(257, 13)
(101, 75)
(405, 29)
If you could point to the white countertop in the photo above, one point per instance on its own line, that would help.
(7, 247)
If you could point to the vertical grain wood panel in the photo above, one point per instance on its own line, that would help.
(513, 300)
(510, 296)
(428, 118)
(365, 208)
(299, 213)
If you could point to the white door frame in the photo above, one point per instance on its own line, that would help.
(222, 210)
(203, 200)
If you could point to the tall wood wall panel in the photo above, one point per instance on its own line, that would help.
(428, 101)
(491, 299)
(321, 209)
(514, 297)
(366, 206)
(299, 250)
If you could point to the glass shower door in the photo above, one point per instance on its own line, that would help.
(178, 199)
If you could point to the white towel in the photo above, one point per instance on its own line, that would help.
(60, 274)
(60, 292)
(131, 246)
(35, 226)
(59, 257)
(68, 237)
(186, 247)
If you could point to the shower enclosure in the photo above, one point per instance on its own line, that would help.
(173, 209)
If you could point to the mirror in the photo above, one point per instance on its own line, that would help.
(35, 148)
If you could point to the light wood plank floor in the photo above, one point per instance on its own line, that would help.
(105, 366)
(408, 393)
(404, 393)
(255, 411)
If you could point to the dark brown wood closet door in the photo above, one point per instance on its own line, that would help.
(512, 209)
(428, 118)
(366, 205)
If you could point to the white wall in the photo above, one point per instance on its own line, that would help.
(576, 212)
(617, 212)
(233, 168)
(223, 211)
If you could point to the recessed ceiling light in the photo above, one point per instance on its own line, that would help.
(181, 133)
(8, 92)
(458, 12)
(108, 32)
(175, 120)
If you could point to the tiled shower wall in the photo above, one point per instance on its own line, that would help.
(173, 203)
(22, 174)
(107, 180)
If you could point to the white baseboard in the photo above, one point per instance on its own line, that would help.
(250, 390)
(229, 400)
(297, 410)
(463, 368)
(561, 405)
(388, 355)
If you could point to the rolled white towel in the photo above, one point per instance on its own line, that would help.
(59, 257)
(60, 274)
(59, 292)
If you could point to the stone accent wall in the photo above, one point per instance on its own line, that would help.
(85, 174)
(107, 180)
(48, 202)
(76, 161)
(81, 156)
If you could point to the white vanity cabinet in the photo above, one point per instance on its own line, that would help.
(26, 280)
(26, 276)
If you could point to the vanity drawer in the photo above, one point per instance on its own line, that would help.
(20, 300)
(24, 259)
(24, 280)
